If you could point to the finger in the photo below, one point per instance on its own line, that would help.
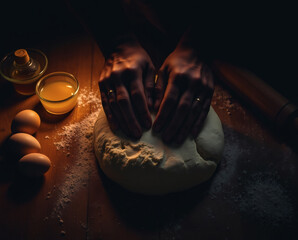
(149, 85)
(103, 86)
(127, 112)
(167, 106)
(159, 89)
(200, 120)
(206, 97)
(124, 111)
(177, 122)
(189, 122)
(116, 112)
(122, 107)
(138, 100)
(106, 107)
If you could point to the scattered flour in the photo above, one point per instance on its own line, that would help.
(75, 140)
(87, 98)
(227, 167)
(264, 198)
(225, 102)
(259, 195)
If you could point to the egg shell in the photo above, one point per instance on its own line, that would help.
(26, 121)
(34, 164)
(21, 144)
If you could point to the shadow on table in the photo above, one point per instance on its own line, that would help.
(21, 189)
(8, 163)
(150, 213)
(24, 189)
(254, 187)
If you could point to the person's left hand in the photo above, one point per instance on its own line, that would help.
(183, 94)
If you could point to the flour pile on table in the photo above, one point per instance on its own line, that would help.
(75, 140)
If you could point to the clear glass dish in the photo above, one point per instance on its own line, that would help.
(24, 86)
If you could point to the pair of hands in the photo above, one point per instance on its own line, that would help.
(181, 95)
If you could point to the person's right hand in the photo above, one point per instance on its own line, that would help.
(183, 94)
(126, 85)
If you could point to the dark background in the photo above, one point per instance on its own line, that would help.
(259, 37)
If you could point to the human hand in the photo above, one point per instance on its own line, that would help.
(126, 86)
(183, 94)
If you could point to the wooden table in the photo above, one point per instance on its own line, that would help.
(253, 194)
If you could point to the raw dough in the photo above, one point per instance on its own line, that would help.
(148, 166)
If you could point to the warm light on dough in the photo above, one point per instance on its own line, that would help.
(148, 166)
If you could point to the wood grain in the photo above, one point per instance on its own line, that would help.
(100, 209)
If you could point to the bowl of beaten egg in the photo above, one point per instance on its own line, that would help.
(58, 92)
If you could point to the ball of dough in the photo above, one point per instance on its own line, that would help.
(148, 166)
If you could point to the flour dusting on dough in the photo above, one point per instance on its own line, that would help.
(149, 166)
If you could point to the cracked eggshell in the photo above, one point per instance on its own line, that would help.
(21, 144)
(34, 165)
(26, 121)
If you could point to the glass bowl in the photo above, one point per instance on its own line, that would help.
(25, 86)
(58, 92)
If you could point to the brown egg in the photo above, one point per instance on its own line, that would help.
(21, 144)
(26, 121)
(34, 164)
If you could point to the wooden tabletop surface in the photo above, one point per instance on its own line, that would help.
(253, 194)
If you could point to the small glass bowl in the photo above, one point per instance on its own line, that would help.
(25, 86)
(58, 92)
